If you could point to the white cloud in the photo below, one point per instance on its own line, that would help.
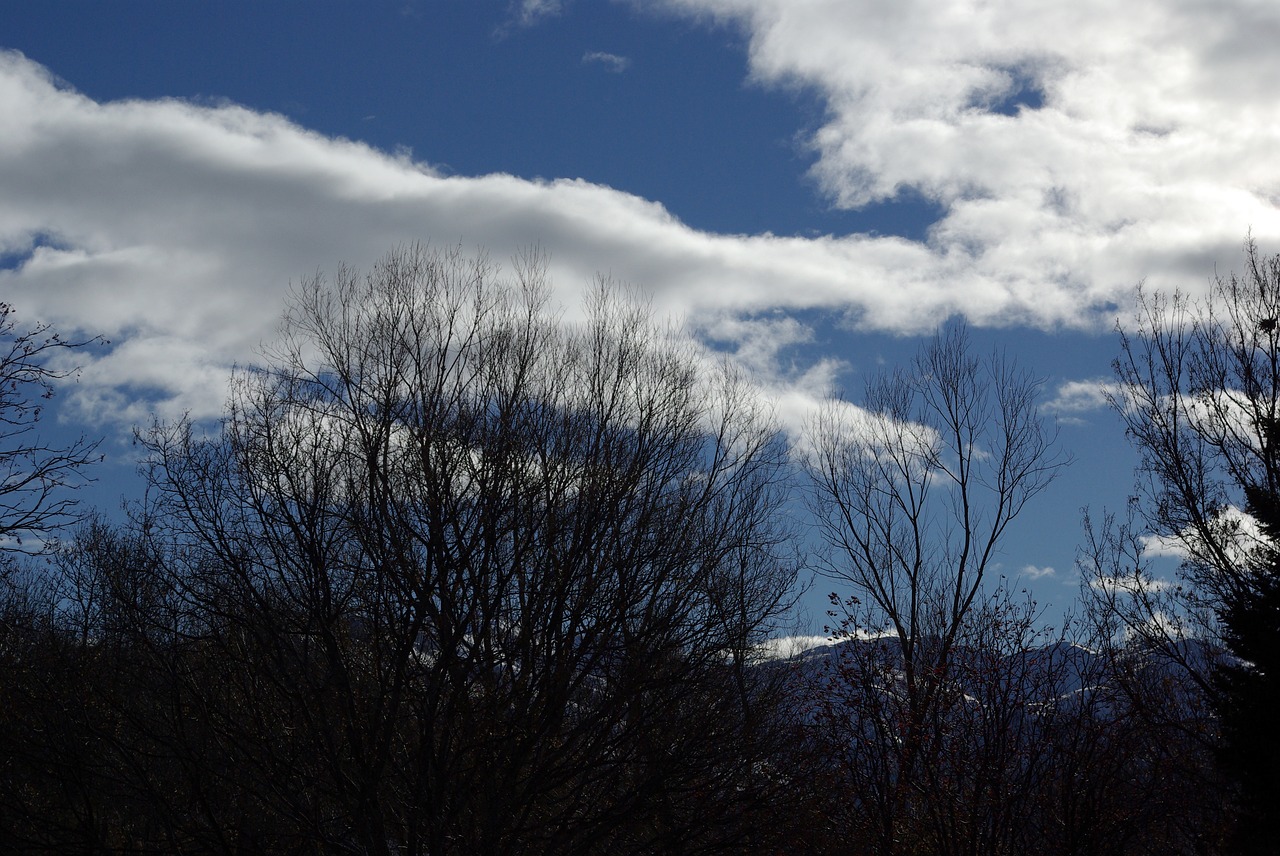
(611, 62)
(1160, 547)
(174, 229)
(526, 13)
(786, 647)
(1131, 584)
(1161, 625)
(1081, 396)
(1037, 573)
(1150, 153)
(1237, 532)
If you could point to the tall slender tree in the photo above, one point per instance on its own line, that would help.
(914, 493)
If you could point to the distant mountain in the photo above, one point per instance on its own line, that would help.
(1065, 671)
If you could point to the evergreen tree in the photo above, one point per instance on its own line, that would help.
(1249, 686)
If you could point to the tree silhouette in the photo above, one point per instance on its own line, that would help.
(36, 475)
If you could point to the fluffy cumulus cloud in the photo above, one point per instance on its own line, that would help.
(1234, 530)
(176, 229)
(1073, 148)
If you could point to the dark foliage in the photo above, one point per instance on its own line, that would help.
(1248, 686)
(454, 577)
(450, 579)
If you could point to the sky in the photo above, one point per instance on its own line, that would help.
(810, 186)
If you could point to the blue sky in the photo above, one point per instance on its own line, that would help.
(813, 185)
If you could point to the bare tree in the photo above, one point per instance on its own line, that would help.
(88, 704)
(480, 581)
(1155, 639)
(1199, 394)
(38, 477)
(913, 495)
(35, 474)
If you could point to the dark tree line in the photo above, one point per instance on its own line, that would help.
(454, 575)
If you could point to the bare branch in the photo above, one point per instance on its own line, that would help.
(37, 477)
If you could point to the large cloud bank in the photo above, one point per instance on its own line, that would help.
(1074, 148)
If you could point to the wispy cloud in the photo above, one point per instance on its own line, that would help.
(1037, 573)
(1081, 396)
(1132, 584)
(611, 62)
(1073, 399)
(526, 13)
